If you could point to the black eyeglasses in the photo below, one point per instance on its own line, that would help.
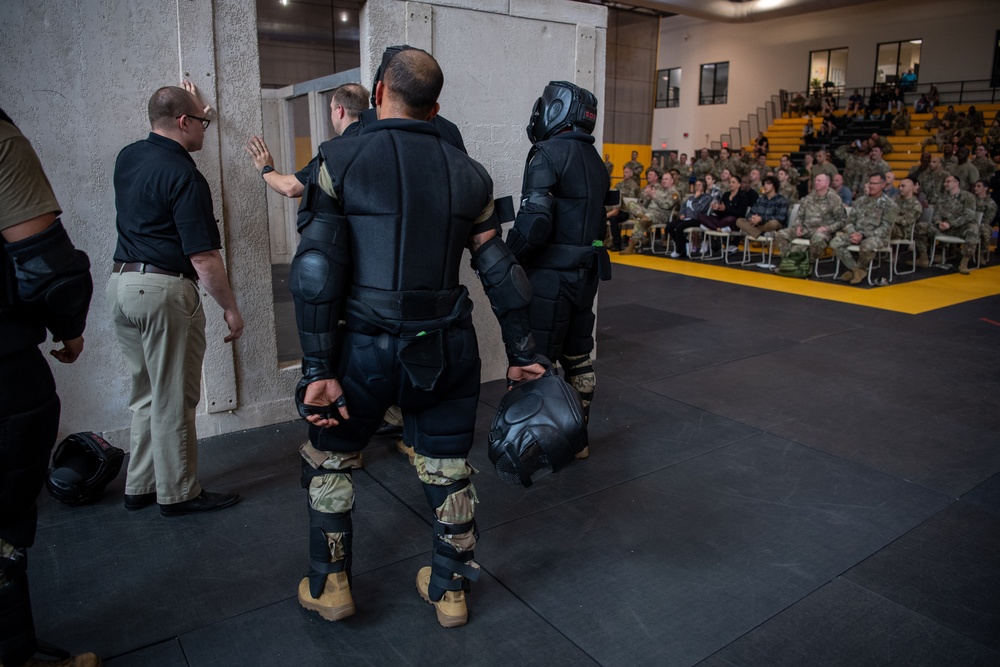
(204, 121)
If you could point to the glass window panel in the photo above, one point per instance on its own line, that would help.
(818, 67)
(885, 66)
(838, 68)
(909, 56)
(674, 92)
(707, 84)
(721, 83)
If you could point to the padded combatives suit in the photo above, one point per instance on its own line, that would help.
(554, 239)
(385, 218)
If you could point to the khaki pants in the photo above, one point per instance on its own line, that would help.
(161, 330)
(755, 231)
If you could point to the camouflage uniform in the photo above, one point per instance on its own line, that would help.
(685, 171)
(628, 188)
(967, 174)
(910, 211)
(988, 208)
(985, 167)
(733, 165)
(702, 167)
(884, 144)
(869, 167)
(610, 166)
(852, 167)
(789, 191)
(637, 169)
(652, 210)
(932, 184)
(960, 212)
(949, 163)
(829, 169)
(874, 218)
(815, 212)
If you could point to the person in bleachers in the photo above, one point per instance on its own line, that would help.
(768, 214)
(823, 165)
(821, 215)
(893, 99)
(908, 82)
(724, 213)
(988, 207)
(661, 199)
(712, 188)
(761, 145)
(934, 122)
(627, 187)
(941, 137)
(797, 105)
(880, 141)
(808, 132)
(976, 119)
(910, 209)
(992, 138)
(635, 166)
(724, 175)
(696, 205)
(755, 179)
(890, 188)
(948, 156)
(684, 167)
(760, 163)
(901, 122)
(954, 215)
(919, 168)
(983, 163)
(876, 102)
(965, 171)
(932, 180)
(785, 162)
(681, 184)
(815, 103)
(869, 225)
(609, 164)
(842, 190)
(726, 161)
(787, 187)
(671, 161)
(855, 103)
(933, 96)
(703, 165)
(854, 155)
(874, 165)
(753, 193)
(950, 114)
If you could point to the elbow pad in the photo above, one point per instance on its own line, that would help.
(319, 283)
(53, 278)
(532, 225)
(509, 292)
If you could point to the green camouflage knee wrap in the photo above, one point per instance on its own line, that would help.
(458, 506)
(328, 478)
(579, 373)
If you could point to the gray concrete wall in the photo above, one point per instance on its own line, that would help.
(77, 77)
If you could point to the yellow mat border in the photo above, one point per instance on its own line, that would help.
(913, 298)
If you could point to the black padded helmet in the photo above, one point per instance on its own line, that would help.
(82, 466)
(538, 427)
(562, 105)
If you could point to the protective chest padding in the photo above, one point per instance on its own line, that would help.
(411, 201)
(578, 182)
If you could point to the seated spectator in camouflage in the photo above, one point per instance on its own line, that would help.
(703, 165)
(756, 179)
(842, 190)
(785, 162)
(815, 103)
(823, 165)
(932, 180)
(964, 170)
(992, 139)
(662, 203)
(723, 214)
(821, 215)
(920, 168)
(950, 114)
(698, 204)
(854, 156)
(873, 165)
(768, 214)
(635, 166)
(983, 163)
(964, 134)
(683, 168)
(910, 209)
(805, 177)
(869, 226)
(627, 187)
(726, 161)
(976, 120)
(759, 163)
(680, 183)
(901, 122)
(826, 129)
(948, 159)
(988, 207)
(786, 187)
(941, 137)
(671, 161)
(934, 122)
(881, 142)
(954, 215)
(609, 164)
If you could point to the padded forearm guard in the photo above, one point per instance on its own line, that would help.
(53, 279)
(319, 283)
(509, 293)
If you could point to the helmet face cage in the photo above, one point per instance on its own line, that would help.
(387, 55)
(562, 105)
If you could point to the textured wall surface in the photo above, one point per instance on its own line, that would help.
(78, 75)
(497, 56)
(767, 56)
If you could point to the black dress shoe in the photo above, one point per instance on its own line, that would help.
(206, 501)
(138, 501)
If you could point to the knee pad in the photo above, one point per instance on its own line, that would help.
(579, 373)
(455, 535)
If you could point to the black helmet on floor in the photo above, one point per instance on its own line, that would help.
(82, 466)
(539, 426)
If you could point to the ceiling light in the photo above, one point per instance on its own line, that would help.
(284, 2)
(343, 17)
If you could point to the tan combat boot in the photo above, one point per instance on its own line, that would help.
(921, 261)
(335, 603)
(848, 276)
(451, 609)
(859, 275)
(583, 453)
(963, 268)
(82, 660)
(629, 249)
(404, 448)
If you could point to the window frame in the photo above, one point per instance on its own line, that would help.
(829, 57)
(714, 97)
(899, 48)
(670, 101)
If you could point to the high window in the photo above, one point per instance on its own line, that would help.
(714, 83)
(897, 60)
(668, 87)
(827, 69)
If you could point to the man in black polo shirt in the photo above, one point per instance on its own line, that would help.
(168, 239)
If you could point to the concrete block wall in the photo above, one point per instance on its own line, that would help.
(77, 78)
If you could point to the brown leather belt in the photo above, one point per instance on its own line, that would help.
(142, 267)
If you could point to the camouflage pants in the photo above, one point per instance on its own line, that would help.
(818, 241)
(868, 248)
(641, 222)
(926, 231)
